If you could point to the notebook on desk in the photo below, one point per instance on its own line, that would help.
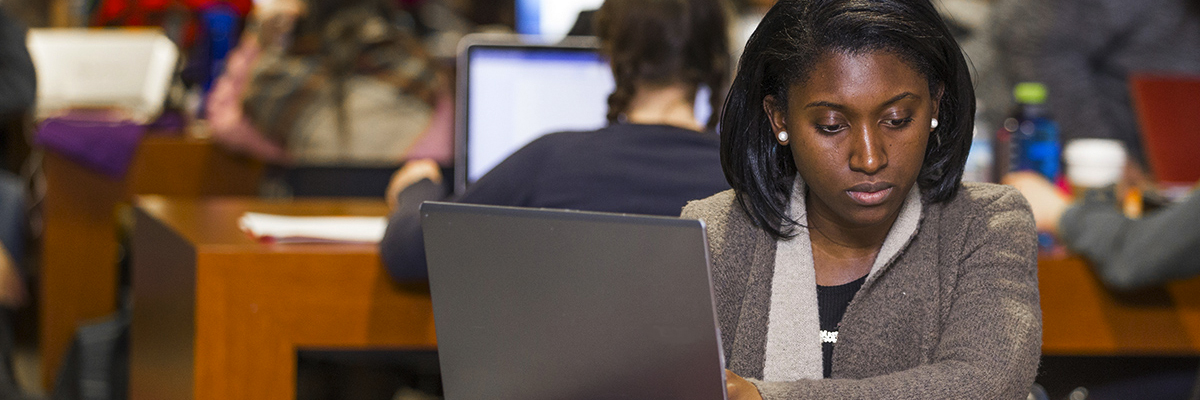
(549, 304)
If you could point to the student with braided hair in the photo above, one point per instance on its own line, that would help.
(653, 156)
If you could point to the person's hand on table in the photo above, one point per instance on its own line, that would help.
(412, 172)
(1046, 200)
(739, 388)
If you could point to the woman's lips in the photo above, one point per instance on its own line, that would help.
(870, 194)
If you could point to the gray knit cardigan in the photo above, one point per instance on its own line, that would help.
(954, 315)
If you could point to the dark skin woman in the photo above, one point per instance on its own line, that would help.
(849, 260)
(858, 133)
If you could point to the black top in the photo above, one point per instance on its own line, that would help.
(831, 305)
(625, 168)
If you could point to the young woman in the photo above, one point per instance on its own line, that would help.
(331, 82)
(652, 158)
(848, 247)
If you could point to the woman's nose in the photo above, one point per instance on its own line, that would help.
(867, 151)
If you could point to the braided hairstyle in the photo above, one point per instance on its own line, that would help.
(665, 42)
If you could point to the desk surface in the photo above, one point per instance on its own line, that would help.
(217, 315)
(1082, 317)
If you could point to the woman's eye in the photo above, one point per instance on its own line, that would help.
(829, 128)
(897, 123)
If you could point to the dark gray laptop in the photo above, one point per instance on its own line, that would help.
(551, 304)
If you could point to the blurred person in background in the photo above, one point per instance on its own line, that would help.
(652, 158)
(18, 84)
(749, 13)
(1126, 253)
(18, 91)
(329, 82)
(269, 26)
(1084, 52)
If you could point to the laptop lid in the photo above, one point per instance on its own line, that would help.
(550, 304)
(511, 92)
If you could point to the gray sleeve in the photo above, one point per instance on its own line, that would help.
(403, 246)
(1129, 253)
(18, 84)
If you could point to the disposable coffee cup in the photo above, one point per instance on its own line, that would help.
(1094, 163)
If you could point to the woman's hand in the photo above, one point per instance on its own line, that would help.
(739, 388)
(412, 172)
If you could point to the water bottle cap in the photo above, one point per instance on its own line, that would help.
(1030, 93)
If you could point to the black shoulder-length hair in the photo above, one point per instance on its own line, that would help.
(664, 42)
(790, 40)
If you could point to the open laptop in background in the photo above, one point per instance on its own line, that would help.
(1167, 107)
(549, 304)
(512, 90)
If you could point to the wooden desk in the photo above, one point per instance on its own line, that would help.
(79, 247)
(219, 316)
(1081, 317)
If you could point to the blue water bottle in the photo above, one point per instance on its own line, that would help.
(1034, 144)
(1033, 133)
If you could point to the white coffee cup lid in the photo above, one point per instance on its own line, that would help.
(1094, 162)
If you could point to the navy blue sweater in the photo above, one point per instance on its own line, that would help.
(625, 168)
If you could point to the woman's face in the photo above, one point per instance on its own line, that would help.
(857, 129)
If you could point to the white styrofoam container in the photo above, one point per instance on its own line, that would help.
(129, 70)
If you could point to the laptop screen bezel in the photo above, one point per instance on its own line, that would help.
(467, 47)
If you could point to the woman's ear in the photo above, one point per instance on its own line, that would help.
(777, 116)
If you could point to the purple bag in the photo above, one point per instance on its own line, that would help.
(104, 146)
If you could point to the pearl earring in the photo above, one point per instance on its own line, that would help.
(933, 124)
(783, 137)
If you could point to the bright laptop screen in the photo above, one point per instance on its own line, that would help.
(517, 94)
(511, 93)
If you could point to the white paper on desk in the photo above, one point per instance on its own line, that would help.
(292, 229)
